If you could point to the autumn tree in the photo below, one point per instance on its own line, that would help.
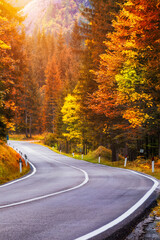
(52, 94)
(76, 41)
(31, 114)
(38, 49)
(96, 23)
(99, 18)
(66, 64)
(139, 77)
(124, 90)
(72, 121)
(41, 47)
(11, 64)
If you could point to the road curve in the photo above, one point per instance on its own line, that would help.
(68, 199)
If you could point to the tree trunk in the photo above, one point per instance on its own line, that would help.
(154, 146)
(67, 146)
(147, 152)
(26, 124)
(159, 144)
(30, 126)
(126, 149)
(85, 149)
(114, 152)
(100, 140)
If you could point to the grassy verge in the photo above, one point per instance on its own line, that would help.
(9, 164)
(22, 137)
(140, 164)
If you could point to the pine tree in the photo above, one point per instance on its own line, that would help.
(52, 94)
(76, 43)
(97, 22)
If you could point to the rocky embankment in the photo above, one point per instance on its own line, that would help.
(148, 228)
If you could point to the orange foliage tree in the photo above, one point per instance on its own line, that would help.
(124, 86)
(11, 64)
(52, 94)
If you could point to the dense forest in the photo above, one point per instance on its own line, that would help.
(98, 86)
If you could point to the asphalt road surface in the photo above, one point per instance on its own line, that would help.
(65, 199)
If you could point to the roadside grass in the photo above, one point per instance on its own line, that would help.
(22, 137)
(140, 164)
(9, 164)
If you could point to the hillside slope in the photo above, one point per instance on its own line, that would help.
(9, 164)
(19, 3)
(52, 15)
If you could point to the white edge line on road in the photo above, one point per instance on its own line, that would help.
(51, 194)
(21, 179)
(124, 215)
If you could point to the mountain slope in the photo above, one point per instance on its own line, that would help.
(19, 3)
(51, 15)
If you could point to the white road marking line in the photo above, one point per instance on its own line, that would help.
(51, 194)
(21, 179)
(124, 215)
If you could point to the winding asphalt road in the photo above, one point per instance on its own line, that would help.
(67, 199)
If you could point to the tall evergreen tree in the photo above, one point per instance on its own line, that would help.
(52, 94)
(96, 25)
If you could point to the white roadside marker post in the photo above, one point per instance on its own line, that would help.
(125, 161)
(99, 159)
(152, 164)
(73, 154)
(20, 165)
